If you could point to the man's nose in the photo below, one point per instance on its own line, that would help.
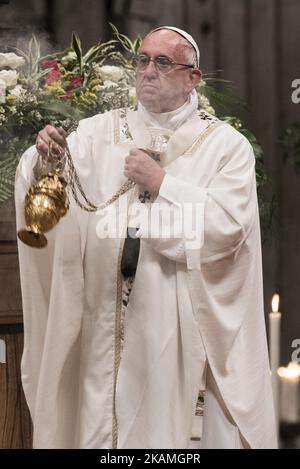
(151, 69)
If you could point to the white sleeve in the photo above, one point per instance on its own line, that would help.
(51, 277)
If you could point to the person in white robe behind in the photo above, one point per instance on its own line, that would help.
(97, 376)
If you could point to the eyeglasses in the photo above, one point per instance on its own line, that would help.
(161, 63)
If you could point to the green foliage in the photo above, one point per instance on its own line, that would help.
(222, 96)
(59, 89)
(7, 177)
(290, 143)
(131, 47)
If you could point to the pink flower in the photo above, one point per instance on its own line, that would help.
(76, 81)
(53, 76)
(50, 63)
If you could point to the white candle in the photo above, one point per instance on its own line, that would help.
(290, 392)
(274, 347)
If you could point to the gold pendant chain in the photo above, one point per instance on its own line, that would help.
(75, 184)
(63, 160)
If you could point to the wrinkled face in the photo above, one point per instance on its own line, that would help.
(159, 92)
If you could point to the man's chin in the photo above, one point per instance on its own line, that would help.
(152, 105)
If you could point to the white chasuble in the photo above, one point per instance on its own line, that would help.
(192, 304)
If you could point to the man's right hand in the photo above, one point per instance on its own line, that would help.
(58, 137)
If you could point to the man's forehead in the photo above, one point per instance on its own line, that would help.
(162, 42)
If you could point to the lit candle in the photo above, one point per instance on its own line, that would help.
(274, 339)
(290, 392)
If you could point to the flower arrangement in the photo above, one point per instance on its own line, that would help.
(66, 86)
(59, 89)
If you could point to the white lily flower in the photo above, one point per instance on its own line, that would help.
(10, 77)
(110, 72)
(11, 60)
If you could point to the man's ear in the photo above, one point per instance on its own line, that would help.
(196, 76)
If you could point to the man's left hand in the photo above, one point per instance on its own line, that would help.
(143, 170)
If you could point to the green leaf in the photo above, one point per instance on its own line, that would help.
(127, 44)
(222, 96)
(290, 144)
(76, 44)
(92, 54)
(63, 109)
(7, 178)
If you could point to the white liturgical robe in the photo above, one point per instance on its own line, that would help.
(193, 305)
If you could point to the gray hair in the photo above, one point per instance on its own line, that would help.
(188, 52)
(190, 55)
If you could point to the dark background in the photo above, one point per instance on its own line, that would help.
(255, 43)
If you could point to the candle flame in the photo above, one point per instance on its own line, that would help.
(292, 371)
(275, 303)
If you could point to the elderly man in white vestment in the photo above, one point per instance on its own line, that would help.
(125, 338)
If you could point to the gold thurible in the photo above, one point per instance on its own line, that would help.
(47, 201)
